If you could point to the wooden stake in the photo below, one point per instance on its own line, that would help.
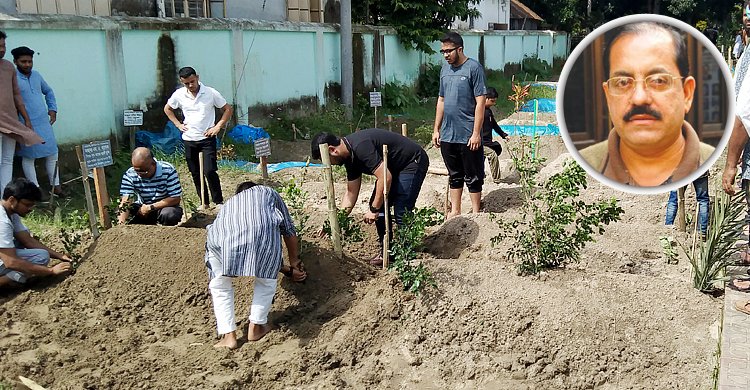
(680, 209)
(448, 197)
(333, 217)
(264, 167)
(102, 197)
(203, 181)
(87, 191)
(376, 117)
(386, 209)
(390, 121)
(403, 130)
(131, 138)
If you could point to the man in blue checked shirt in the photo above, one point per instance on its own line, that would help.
(150, 191)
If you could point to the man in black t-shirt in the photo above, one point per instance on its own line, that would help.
(362, 153)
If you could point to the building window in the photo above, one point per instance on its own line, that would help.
(193, 8)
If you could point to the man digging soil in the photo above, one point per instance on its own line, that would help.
(245, 241)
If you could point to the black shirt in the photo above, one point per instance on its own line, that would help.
(488, 125)
(366, 148)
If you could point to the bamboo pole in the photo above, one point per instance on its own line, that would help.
(403, 130)
(333, 218)
(87, 191)
(680, 209)
(386, 209)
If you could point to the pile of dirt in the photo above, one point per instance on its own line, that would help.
(137, 314)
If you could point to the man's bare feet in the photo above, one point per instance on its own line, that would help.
(229, 341)
(256, 332)
(452, 214)
(741, 285)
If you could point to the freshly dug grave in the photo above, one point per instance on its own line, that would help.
(137, 314)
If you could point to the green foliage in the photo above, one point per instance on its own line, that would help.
(296, 201)
(114, 209)
(667, 247)
(407, 240)
(535, 68)
(71, 240)
(709, 258)
(417, 22)
(555, 224)
(542, 92)
(76, 219)
(351, 231)
(397, 97)
(428, 82)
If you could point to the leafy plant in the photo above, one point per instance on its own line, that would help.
(76, 219)
(296, 200)
(114, 209)
(351, 231)
(428, 82)
(398, 96)
(667, 247)
(555, 224)
(71, 240)
(407, 240)
(709, 258)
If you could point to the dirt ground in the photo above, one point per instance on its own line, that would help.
(137, 314)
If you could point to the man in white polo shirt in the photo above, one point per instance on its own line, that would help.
(197, 102)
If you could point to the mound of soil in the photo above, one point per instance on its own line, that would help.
(138, 314)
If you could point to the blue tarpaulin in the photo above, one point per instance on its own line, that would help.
(168, 141)
(549, 129)
(247, 134)
(255, 167)
(545, 105)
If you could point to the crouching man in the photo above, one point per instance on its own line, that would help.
(245, 240)
(21, 255)
(156, 189)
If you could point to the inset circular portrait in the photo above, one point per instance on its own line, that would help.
(646, 104)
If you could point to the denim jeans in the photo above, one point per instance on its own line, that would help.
(403, 196)
(701, 194)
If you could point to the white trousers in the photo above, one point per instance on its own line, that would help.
(222, 294)
(50, 162)
(7, 151)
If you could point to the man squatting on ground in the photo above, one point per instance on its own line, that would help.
(21, 255)
(245, 240)
(492, 148)
(458, 122)
(197, 102)
(362, 153)
(156, 188)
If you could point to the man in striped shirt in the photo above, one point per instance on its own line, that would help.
(245, 240)
(150, 191)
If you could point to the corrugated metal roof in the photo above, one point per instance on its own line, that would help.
(519, 10)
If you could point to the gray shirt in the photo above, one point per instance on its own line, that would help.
(459, 86)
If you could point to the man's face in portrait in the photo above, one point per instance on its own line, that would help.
(646, 96)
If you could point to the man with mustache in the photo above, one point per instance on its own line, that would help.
(648, 92)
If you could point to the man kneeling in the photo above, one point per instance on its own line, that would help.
(30, 257)
(245, 240)
(157, 190)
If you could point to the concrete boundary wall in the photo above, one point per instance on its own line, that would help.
(100, 66)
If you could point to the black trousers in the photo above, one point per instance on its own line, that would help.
(210, 167)
(167, 216)
(464, 166)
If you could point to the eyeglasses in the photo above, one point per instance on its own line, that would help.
(747, 12)
(624, 85)
(448, 51)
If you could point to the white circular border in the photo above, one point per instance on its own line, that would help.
(588, 40)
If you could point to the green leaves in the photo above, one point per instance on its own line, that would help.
(351, 231)
(407, 240)
(296, 200)
(555, 224)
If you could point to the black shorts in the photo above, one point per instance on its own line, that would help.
(464, 166)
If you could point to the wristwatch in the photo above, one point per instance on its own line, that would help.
(374, 209)
(151, 207)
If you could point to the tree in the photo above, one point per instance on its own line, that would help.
(417, 22)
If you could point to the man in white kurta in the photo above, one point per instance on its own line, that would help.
(245, 240)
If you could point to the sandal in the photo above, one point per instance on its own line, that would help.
(735, 287)
(743, 306)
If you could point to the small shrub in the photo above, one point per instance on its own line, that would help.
(71, 240)
(428, 82)
(536, 68)
(667, 247)
(709, 259)
(397, 97)
(351, 231)
(296, 201)
(407, 240)
(114, 209)
(555, 224)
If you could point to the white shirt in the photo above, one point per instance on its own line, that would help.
(9, 226)
(742, 108)
(198, 110)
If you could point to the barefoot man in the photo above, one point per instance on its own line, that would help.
(245, 240)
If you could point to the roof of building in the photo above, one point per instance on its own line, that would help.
(519, 10)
